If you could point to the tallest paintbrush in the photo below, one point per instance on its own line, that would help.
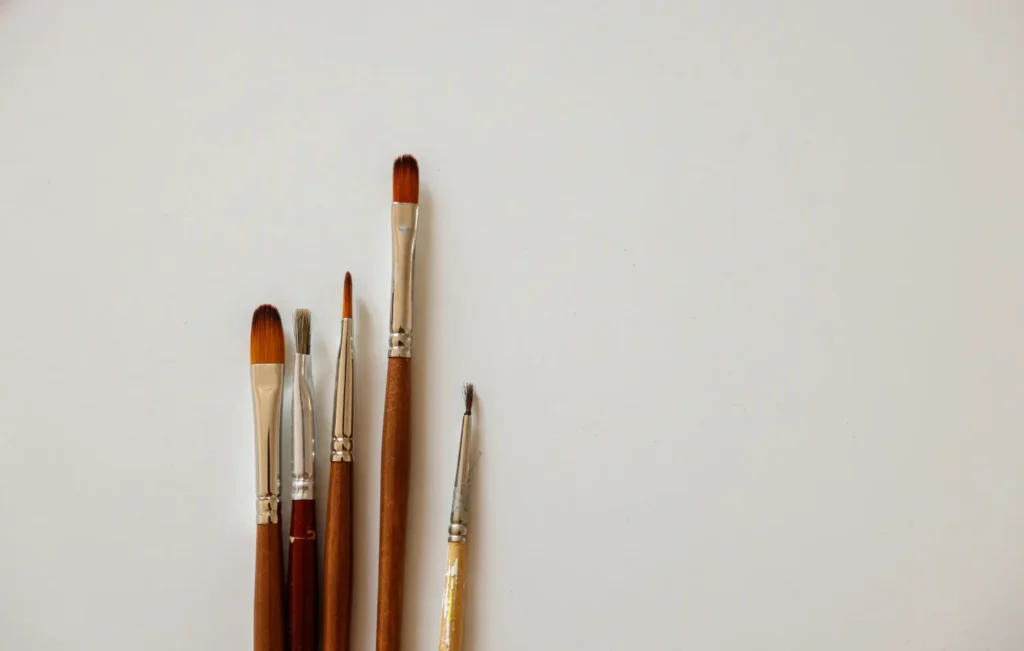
(394, 458)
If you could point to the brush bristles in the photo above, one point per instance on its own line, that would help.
(406, 180)
(467, 392)
(346, 305)
(302, 331)
(266, 343)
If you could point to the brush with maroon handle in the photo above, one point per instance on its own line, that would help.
(302, 538)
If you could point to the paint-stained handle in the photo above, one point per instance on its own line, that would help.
(453, 604)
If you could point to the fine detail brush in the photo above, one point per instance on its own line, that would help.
(302, 539)
(266, 356)
(338, 547)
(395, 440)
(453, 602)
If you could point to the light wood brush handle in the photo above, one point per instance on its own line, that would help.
(268, 615)
(338, 559)
(454, 600)
(394, 502)
(302, 577)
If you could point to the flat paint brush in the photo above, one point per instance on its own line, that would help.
(266, 356)
(338, 547)
(302, 575)
(395, 441)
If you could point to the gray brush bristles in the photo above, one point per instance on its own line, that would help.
(302, 332)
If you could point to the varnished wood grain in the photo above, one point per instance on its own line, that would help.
(454, 602)
(394, 500)
(268, 614)
(338, 559)
(302, 576)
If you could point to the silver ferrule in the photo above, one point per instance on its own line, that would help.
(341, 427)
(302, 428)
(404, 217)
(458, 524)
(267, 381)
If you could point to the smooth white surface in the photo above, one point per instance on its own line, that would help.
(740, 289)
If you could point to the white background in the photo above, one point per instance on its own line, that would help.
(740, 289)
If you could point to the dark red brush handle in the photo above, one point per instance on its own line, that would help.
(302, 577)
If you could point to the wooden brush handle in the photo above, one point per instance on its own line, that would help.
(302, 577)
(268, 615)
(454, 601)
(394, 502)
(338, 559)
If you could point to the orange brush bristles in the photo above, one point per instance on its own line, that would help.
(266, 343)
(406, 180)
(346, 305)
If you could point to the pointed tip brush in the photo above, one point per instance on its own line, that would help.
(346, 303)
(266, 357)
(337, 608)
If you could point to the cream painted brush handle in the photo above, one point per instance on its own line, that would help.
(454, 601)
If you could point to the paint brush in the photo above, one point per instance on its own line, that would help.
(338, 546)
(454, 601)
(302, 538)
(395, 441)
(266, 356)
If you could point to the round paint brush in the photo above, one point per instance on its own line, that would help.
(453, 603)
(338, 546)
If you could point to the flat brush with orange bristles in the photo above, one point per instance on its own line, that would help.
(338, 546)
(266, 358)
(395, 442)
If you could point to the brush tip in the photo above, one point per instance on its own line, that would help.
(346, 306)
(467, 393)
(406, 180)
(266, 341)
(302, 324)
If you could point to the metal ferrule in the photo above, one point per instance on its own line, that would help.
(341, 427)
(404, 217)
(267, 381)
(302, 428)
(458, 524)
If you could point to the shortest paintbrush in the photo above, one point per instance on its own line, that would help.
(302, 545)
(453, 604)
